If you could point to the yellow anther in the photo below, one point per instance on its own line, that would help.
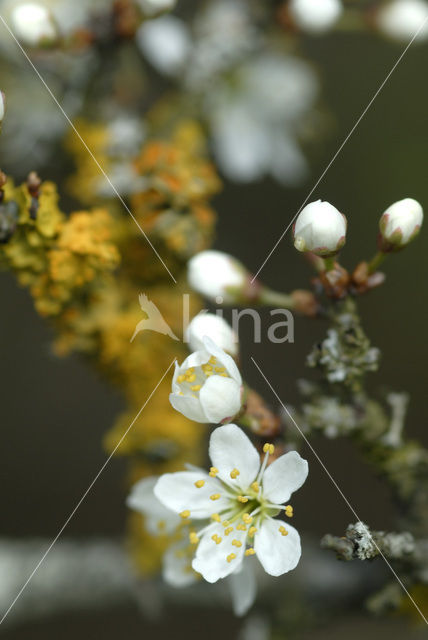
(283, 531)
(216, 538)
(219, 369)
(228, 531)
(225, 523)
(185, 513)
(242, 499)
(215, 517)
(213, 360)
(215, 496)
(199, 484)
(268, 448)
(241, 527)
(190, 370)
(191, 377)
(193, 538)
(252, 531)
(289, 511)
(181, 378)
(213, 472)
(234, 473)
(206, 367)
(196, 387)
(247, 518)
(237, 543)
(223, 375)
(250, 552)
(209, 373)
(231, 557)
(255, 487)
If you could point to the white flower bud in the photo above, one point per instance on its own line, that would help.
(214, 274)
(2, 106)
(165, 43)
(400, 223)
(320, 228)
(315, 16)
(33, 24)
(401, 19)
(216, 328)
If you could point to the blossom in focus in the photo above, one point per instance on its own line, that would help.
(33, 24)
(400, 223)
(315, 16)
(242, 498)
(320, 228)
(214, 273)
(401, 19)
(207, 387)
(215, 327)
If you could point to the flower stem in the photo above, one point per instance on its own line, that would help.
(271, 298)
(329, 263)
(376, 261)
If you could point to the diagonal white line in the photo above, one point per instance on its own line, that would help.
(42, 559)
(339, 490)
(341, 146)
(42, 80)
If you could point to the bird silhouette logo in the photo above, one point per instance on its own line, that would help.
(154, 320)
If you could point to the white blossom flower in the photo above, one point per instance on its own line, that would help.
(242, 498)
(216, 328)
(400, 223)
(33, 24)
(158, 520)
(320, 228)
(214, 273)
(166, 43)
(315, 16)
(207, 387)
(401, 19)
(177, 560)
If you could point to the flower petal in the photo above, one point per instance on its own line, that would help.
(231, 449)
(277, 553)
(243, 587)
(211, 558)
(178, 492)
(177, 565)
(158, 518)
(226, 360)
(284, 476)
(220, 398)
(188, 406)
(196, 359)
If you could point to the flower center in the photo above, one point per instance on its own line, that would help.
(192, 380)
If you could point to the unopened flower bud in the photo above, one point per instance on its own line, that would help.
(216, 328)
(320, 228)
(216, 274)
(400, 223)
(315, 16)
(33, 24)
(401, 19)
